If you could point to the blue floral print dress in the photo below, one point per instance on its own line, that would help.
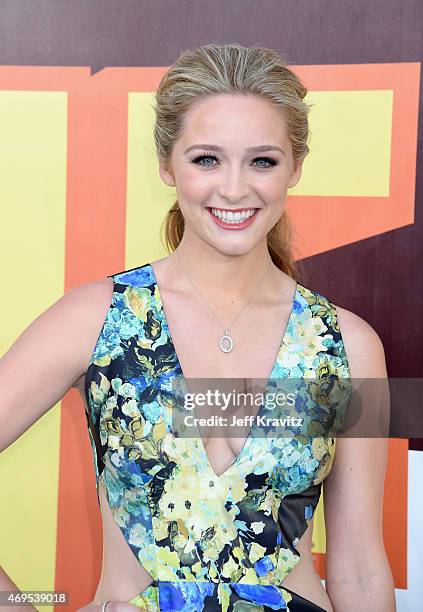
(210, 542)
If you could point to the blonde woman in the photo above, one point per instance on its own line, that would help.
(223, 523)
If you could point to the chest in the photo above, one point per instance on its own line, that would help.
(195, 334)
(155, 333)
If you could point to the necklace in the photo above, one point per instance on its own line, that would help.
(226, 342)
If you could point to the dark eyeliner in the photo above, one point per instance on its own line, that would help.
(270, 160)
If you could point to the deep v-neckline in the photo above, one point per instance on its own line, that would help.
(276, 362)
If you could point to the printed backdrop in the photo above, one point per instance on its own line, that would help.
(81, 198)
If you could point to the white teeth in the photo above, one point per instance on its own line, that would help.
(231, 217)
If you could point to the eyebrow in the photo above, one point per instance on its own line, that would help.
(256, 149)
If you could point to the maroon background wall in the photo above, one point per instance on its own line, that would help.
(379, 278)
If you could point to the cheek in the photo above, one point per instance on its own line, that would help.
(272, 196)
(192, 183)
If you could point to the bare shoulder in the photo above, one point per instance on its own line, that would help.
(363, 345)
(70, 325)
(90, 302)
(50, 356)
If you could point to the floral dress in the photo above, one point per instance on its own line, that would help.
(210, 542)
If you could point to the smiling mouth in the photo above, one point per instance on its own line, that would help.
(233, 216)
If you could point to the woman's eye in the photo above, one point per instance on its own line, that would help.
(201, 157)
(268, 160)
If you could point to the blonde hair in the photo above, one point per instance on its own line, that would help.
(230, 69)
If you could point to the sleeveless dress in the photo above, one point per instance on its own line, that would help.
(210, 542)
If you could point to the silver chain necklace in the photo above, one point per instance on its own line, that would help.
(226, 342)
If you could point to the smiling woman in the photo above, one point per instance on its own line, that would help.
(219, 523)
(217, 181)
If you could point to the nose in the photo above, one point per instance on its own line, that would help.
(233, 186)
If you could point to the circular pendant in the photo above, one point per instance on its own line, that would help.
(226, 343)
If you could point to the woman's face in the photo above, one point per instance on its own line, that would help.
(212, 168)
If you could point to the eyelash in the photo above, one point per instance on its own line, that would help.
(272, 161)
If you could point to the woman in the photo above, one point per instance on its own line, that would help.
(223, 523)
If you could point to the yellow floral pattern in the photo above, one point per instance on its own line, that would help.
(210, 542)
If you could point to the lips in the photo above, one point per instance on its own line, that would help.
(234, 225)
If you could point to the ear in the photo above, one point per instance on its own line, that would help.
(166, 174)
(296, 175)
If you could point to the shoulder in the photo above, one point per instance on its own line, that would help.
(55, 347)
(78, 309)
(363, 345)
(87, 305)
(89, 302)
(99, 290)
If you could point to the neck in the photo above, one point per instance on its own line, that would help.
(219, 276)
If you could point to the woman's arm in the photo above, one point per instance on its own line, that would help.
(46, 360)
(49, 356)
(358, 576)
